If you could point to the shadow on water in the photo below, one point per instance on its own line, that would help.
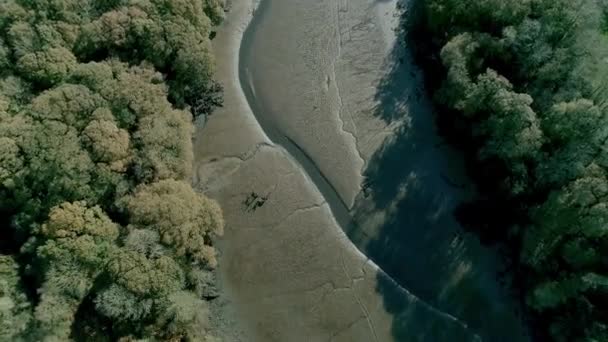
(416, 322)
(404, 221)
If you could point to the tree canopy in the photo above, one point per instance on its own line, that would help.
(522, 86)
(105, 237)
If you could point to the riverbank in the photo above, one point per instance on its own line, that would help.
(287, 270)
(333, 82)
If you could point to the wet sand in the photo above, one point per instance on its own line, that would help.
(287, 270)
(338, 108)
(332, 82)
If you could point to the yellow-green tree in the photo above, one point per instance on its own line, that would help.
(185, 220)
(96, 105)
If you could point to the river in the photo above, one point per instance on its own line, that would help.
(339, 105)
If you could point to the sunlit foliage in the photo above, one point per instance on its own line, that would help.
(102, 226)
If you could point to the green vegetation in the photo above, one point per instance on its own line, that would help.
(103, 237)
(522, 87)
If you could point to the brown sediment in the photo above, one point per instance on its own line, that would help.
(287, 269)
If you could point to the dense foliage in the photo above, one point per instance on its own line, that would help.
(522, 85)
(103, 237)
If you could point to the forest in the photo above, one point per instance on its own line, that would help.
(521, 87)
(103, 237)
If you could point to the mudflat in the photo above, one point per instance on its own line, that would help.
(287, 270)
(336, 79)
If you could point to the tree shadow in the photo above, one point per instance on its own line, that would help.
(413, 321)
(404, 221)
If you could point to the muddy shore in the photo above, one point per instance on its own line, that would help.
(320, 104)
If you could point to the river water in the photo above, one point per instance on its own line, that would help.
(333, 84)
